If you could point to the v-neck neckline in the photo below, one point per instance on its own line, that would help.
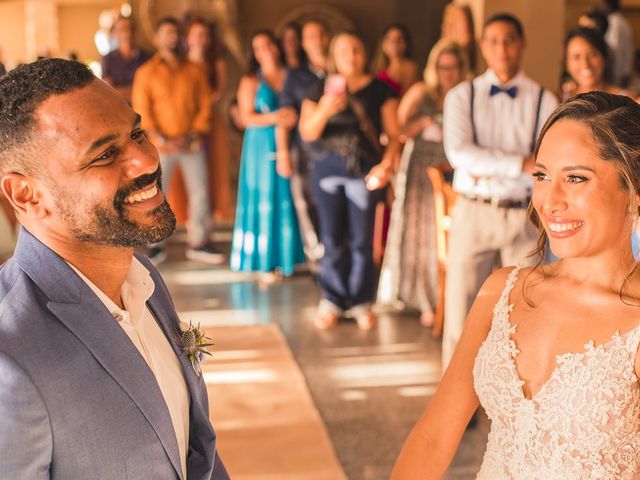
(270, 85)
(514, 351)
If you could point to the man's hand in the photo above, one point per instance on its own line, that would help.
(185, 144)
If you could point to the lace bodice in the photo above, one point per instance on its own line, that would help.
(584, 423)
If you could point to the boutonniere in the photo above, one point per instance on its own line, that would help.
(194, 345)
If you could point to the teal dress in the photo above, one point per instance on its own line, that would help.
(265, 235)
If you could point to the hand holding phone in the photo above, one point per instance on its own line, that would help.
(335, 85)
(334, 99)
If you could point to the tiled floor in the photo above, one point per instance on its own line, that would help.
(370, 387)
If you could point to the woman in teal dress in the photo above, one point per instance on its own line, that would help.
(266, 237)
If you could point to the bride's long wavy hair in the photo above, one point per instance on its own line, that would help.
(614, 121)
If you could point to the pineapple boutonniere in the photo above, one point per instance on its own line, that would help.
(194, 345)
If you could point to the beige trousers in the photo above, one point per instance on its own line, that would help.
(482, 236)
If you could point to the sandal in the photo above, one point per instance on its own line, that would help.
(366, 320)
(268, 279)
(325, 321)
(427, 319)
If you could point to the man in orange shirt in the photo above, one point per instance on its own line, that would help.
(173, 97)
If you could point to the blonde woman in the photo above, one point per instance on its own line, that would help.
(409, 273)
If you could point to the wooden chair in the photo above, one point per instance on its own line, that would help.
(444, 198)
(381, 228)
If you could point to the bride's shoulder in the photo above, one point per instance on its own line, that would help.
(501, 278)
(507, 278)
(491, 291)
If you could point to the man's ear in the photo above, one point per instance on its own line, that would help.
(24, 194)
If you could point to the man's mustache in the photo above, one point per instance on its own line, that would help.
(139, 183)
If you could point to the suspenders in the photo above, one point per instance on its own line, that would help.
(534, 135)
(473, 122)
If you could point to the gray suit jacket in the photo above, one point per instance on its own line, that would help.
(77, 400)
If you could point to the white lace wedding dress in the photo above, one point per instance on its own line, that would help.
(584, 423)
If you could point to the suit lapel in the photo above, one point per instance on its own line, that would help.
(80, 310)
(201, 436)
(169, 322)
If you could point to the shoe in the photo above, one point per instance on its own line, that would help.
(327, 315)
(366, 320)
(157, 255)
(206, 253)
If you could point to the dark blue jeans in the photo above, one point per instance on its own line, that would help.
(346, 211)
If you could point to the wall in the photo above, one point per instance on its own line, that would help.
(544, 25)
(630, 9)
(70, 24)
(12, 34)
(78, 23)
(575, 8)
(29, 28)
(369, 17)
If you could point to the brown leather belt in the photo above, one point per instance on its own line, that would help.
(501, 202)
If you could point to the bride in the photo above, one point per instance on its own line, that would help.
(551, 352)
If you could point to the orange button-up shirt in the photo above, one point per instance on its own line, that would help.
(173, 101)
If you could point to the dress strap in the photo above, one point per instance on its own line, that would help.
(512, 278)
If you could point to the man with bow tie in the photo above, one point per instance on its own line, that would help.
(490, 129)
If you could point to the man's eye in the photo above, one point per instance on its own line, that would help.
(139, 134)
(540, 176)
(106, 155)
(106, 158)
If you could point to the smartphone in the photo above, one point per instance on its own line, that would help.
(335, 84)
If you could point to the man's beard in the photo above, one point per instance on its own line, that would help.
(109, 226)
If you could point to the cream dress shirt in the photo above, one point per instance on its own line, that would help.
(504, 125)
(145, 333)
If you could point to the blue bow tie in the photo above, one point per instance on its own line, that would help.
(511, 91)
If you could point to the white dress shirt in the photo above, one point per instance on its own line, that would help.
(493, 168)
(619, 37)
(148, 337)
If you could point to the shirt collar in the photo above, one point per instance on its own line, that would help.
(493, 79)
(159, 60)
(136, 289)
